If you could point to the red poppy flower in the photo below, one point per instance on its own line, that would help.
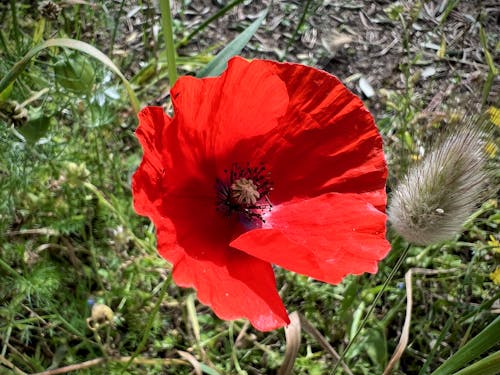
(270, 163)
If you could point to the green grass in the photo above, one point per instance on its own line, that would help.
(69, 236)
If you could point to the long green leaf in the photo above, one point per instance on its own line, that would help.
(168, 34)
(487, 54)
(435, 346)
(473, 349)
(219, 62)
(493, 71)
(207, 22)
(76, 45)
(486, 366)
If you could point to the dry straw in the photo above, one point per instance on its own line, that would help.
(435, 198)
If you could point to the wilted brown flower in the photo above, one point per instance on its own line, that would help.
(13, 112)
(49, 10)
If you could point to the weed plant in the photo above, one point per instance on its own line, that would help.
(69, 238)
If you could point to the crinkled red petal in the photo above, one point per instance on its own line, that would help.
(246, 101)
(233, 283)
(326, 142)
(147, 180)
(328, 169)
(326, 237)
(191, 234)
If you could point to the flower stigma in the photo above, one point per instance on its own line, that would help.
(245, 192)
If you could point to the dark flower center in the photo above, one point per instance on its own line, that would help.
(244, 192)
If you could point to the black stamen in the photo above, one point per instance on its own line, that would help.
(258, 184)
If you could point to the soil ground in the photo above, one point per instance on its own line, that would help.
(369, 44)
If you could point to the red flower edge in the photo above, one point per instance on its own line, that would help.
(316, 200)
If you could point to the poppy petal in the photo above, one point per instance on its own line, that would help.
(146, 180)
(168, 188)
(234, 284)
(327, 169)
(326, 237)
(303, 163)
(247, 100)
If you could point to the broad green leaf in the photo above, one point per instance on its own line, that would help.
(75, 73)
(219, 62)
(35, 129)
(472, 350)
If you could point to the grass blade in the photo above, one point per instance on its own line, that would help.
(474, 348)
(207, 22)
(168, 34)
(486, 366)
(218, 64)
(293, 39)
(493, 71)
(435, 346)
(323, 342)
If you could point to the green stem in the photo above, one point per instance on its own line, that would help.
(150, 322)
(15, 24)
(141, 243)
(297, 29)
(168, 33)
(115, 27)
(372, 307)
(9, 269)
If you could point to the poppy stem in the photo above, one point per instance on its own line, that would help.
(372, 307)
(168, 33)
